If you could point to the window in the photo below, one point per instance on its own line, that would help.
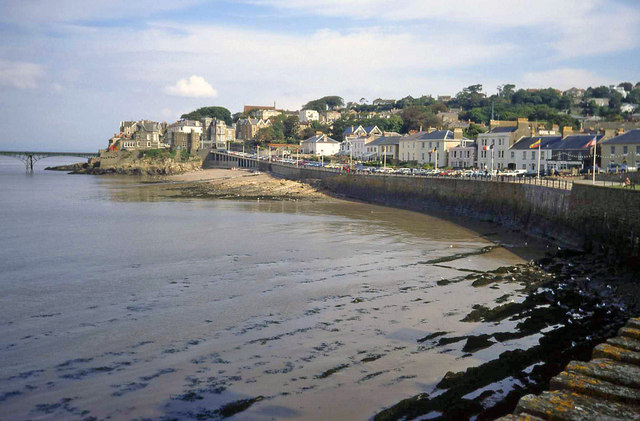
(524, 154)
(423, 156)
(454, 154)
(148, 144)
(613, 150)
(625, 150)
(500, 142)
(513, 154)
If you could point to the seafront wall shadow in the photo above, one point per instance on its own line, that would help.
(585, 217)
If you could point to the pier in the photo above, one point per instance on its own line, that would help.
(29, 158)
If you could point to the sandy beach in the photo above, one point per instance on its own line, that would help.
(208, 175)
(242, 184)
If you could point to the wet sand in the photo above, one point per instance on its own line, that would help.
(201, 309)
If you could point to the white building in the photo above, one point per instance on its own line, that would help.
(320, 145)
(307, 116)
(183, 126)
(494, 145)
(427, 147)
(524, 154)
(463, 155)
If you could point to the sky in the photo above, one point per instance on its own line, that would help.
(71, 70)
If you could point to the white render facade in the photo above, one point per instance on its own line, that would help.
(183, 126)
(502, 137)
(307, 116)
(320, 145)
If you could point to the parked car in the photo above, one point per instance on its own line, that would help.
(616, 167)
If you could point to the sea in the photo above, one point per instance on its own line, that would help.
(119, 301)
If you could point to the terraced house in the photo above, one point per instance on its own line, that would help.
(623, 149)
(494, 145)
(430, 147)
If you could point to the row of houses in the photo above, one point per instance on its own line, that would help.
(508, 145)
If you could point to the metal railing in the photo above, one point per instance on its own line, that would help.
(552, 183)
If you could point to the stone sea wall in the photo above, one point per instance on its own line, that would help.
(584, 217)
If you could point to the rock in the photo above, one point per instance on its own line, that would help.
(629, 332)
(626, 343)
(616, 353)
(520, 417)
(597, 388)
(608, 370)
(561, 405)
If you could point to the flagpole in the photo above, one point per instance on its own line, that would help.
(436, 164)
(539, 146)
(593, 169)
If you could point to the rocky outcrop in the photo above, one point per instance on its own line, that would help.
(143, 166)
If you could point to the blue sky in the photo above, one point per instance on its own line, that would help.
(70, 70)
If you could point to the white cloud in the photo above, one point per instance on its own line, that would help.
(194, 87)
(572, 27)
(564, 78)
(20, 75)
(69, 10)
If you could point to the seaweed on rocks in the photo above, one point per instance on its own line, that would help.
(569, 305)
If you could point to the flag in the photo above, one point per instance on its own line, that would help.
(486, 148)
(535, 144)
(591, 143)
(432, 150)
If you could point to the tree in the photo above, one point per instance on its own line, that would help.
(419, 116)
(308, 132)
(471, 97)
(325, 103)
(265, 135)
(634, 96)
(506, 91)
(220, 113)
(628, 86)
(473, 130)
(599, 92)
(317, 104)
(291, 126)
(238, 116)
(615, 102)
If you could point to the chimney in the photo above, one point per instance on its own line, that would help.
(522, 122)
(493, 124)
(420, 129)
(619, 131)
(318, 133)
(566, 131)
(555, 128)
(431, 129)
(608, 133)
(457, 133)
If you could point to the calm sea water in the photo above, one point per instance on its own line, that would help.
(117, 301)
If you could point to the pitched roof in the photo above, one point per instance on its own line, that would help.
(369, 129)
(351, 130)
(435, 135)
(546, 142)
(320, 138)
(632, 136)
(503, 129)
(385, 141)
(576, 141)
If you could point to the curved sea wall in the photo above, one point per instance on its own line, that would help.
(584, 217)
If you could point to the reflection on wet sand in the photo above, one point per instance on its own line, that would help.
(198, 309)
